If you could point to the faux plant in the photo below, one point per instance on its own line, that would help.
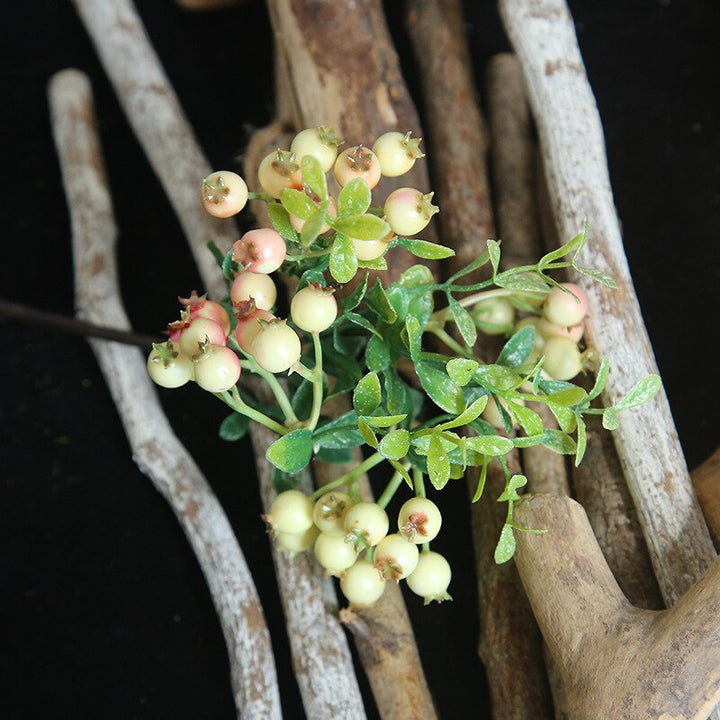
(409, 356)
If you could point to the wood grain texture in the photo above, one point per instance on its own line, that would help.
(156, 449)
(572, 143)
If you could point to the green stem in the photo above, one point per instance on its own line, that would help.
(317, 382)
(265, 197)
(390, 490)
(448, 340)
(419, 483)
(232, 399)
(349, 477)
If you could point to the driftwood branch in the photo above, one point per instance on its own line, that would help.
(618, 661)
(575, 160)
(159, 123)
(706, 479)
(175, 154)
(156, 449)
(508, 633)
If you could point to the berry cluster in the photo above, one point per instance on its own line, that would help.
(429, 414)
(350, 541)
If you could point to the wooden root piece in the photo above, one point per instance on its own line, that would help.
(156, 449)
(573, 148)
(618, 661)
(158, 121)
(706, 480)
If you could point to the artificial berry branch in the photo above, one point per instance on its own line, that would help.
(430, 412)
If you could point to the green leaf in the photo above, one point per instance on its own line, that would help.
(517, 349)
(497, 378)
(574, 245)
(229, 267)
(567, 398)
(505, 548)
(362, 227)
(640, 393)
(355, 297)
(445, 393)
(559, 442)
(343, 261)
(581, 440)
(367, 433)
(598, 275)
(530, 421)
(383, 421)
(340, 438)
(523, 281)
(284, 481)
(377, 354)
(380, 304)
(396, 391)
(292, 452)
(491, 445)
(379, 263)
(472, 412)
(461, 370)
(600, 379)
(566, 418)
(424, 249)
(281, 221)
(313, 176)
(438, 463)
(494, 252)
(610, 419)
(395, 444)
(510, 493)
(312, 275)
(335, 456)
(297, 203)
(354, 198)
(315, 225)
(482, 477)
(363, 322)
(234, 427)
(367, 395)
(463, 320)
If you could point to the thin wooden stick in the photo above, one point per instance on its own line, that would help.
(156, 449)
(159, 123)
(573, 149)
(618, 661)
(508, 633)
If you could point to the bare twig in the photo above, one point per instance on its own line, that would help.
(155, 115)
(75, 326)
(157, 451)
(573, 149)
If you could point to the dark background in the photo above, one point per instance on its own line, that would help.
(103, 610)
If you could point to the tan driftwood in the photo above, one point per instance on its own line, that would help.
(159, 123)
(706, 479)
(148, 105)
(156, 449)
(573, 148)
(202, 5)
(618, 661)
(458, 138)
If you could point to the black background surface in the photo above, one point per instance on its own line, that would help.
(103, 610)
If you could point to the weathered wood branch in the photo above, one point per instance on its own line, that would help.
(159, 123)
(706, 479)
(156, 449)
(150, 105)
(618, 661)
(573, 148)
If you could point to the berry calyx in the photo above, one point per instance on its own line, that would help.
(395, 557)
(366, 524)
(260, 251)
(419, 520)
(201, 330)
(199, 306)
(248, 323)
(408, 211)
(329, 512)
(396, 152)
(321, 142)
(279, 170)
(357, 161)
(223, 193)
(168, 367)
(314, 308)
